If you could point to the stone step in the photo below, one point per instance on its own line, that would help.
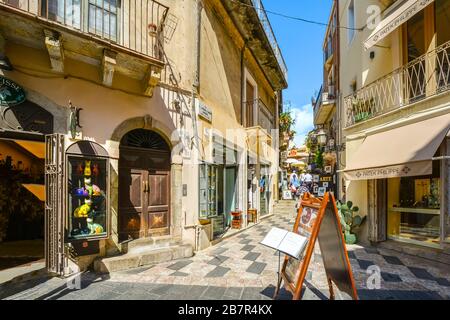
(151, 256)
(144, 244)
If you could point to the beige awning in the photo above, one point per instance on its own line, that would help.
(395, 19)
(400, 152)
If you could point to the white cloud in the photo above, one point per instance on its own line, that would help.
(304, 123)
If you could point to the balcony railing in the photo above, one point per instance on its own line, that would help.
(423, 77)
(270, 35)
(136, 25)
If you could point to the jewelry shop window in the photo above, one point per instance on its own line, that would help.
(414, 205)
(88, 194)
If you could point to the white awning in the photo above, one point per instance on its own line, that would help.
(395, 19)
(401, 152)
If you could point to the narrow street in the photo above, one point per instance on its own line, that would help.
(239, 268)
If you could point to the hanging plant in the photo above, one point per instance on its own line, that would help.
(318, 159)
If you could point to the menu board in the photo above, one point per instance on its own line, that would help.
(318, 219)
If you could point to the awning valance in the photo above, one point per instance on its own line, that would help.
(399, 152)
(395, 19)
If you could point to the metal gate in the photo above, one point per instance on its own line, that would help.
(54, 203)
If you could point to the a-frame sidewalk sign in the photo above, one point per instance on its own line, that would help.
(318, 219)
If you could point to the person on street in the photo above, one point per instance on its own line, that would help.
(294, 183)
(308, 181)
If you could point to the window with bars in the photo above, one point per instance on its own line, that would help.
(103, 18)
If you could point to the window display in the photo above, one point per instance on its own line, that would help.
(414, 208)
(208, 191)
(87, 198)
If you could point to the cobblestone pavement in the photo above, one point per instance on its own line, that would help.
(241, 268)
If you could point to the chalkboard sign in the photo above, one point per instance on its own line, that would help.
(318, 219)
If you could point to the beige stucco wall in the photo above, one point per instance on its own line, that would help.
(356, 64)
(109, 111)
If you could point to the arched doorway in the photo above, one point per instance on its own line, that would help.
(144, 185)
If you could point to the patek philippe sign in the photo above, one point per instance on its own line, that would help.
(405, 170)
(11, 93)
(204, 112)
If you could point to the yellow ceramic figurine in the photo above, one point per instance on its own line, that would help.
(87, 168)
(83, 210)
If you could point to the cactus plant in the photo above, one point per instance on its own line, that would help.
(349, 221)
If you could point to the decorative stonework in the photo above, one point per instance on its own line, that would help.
(108, 66)
(53, 42)
(145, 122)
(151, 80)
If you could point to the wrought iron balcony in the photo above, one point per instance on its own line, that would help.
(422, 78)
(270, 35)
(324, 104)
(136, 25)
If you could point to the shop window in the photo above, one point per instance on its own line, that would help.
(87, 172)
(414, 208)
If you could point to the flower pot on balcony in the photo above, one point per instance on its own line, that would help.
(152, 30)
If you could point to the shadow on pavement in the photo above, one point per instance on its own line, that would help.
(74, 284)
(12, 288)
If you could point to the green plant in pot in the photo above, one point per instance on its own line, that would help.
(350, 221)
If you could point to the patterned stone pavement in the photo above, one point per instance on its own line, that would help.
(241, 268)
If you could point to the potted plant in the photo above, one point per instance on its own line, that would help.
(152, 29)
(362, 109)
(349, 221)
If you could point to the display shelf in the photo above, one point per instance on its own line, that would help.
(435, 212)
(94, 211)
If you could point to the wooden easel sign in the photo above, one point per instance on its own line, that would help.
(318, 219)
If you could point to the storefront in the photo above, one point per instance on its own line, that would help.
(218, 184)
(23, 126)
(407, 182)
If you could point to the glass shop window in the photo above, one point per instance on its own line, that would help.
(208, 191)
(87, 197)
(414, 206)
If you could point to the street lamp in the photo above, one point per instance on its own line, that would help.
(321, 137)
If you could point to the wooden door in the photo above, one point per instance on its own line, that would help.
(132, 203)
(158, 206)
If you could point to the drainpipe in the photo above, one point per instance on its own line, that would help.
(243, 83)
(196, 82)
(198, 12)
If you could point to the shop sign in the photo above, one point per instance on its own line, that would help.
(205, 112)
(405, 170)
(326, 179)
(11, 93)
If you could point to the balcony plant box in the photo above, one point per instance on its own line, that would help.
(362, 109)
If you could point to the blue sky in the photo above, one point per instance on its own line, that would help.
(301, 45)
